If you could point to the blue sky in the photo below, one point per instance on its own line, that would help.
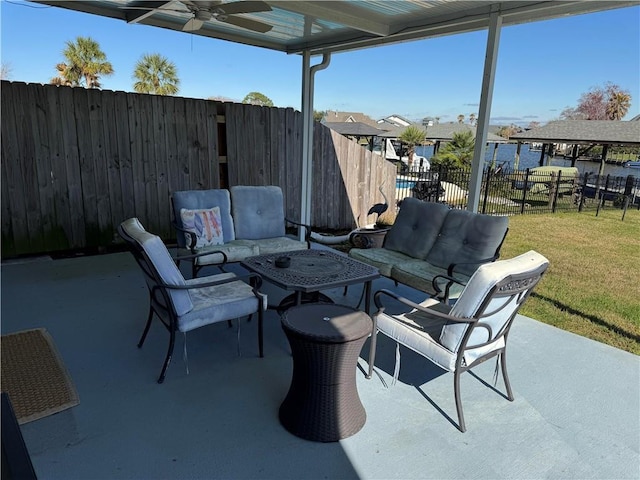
(542, 67)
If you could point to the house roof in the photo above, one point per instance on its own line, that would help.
(355, 129)
(318, 27)
(332, 116)
(584, 132)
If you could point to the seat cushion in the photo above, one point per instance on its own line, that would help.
(218, 303)
(416, 227)
(466, 238)
(258, 212)
(419, 332)
(381, 258)
(276, 245)
(204, 199)
(419, 274)
(235, 251)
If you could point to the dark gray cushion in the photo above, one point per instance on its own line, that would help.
(416, 227)
(258, 212)
(467, 237)
(197, 199)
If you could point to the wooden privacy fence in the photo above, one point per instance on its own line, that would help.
(76, 162)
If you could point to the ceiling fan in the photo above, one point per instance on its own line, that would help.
(204, 11)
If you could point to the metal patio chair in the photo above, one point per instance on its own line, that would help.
(474, 329)
(184, 305)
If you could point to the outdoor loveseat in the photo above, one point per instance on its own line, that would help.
(232, 225)
(434, 248)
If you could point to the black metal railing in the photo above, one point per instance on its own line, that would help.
(507, 192)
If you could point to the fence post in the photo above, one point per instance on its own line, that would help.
(486, 191)
(556, 191)
(584, 187)
(524, 190)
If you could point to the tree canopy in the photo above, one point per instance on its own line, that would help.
(257, 98)
(608, 102)
(457, 153)
(156, 74)
(84, 64)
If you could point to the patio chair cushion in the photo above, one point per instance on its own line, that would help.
(205, 223)
(419, 274)
(235, 251)
(258, 212)
(218, 303)
(424, 337)
(467, 237)
(203, 199)
(482, 281)
(381, 258)
(158, 254)
(275, 245)
(416, 227)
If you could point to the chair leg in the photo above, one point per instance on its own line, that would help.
(372, 353)
(172, 342)
(456, 390)
(260, 334)
(345, 290)
(507, 384)
(146, 328)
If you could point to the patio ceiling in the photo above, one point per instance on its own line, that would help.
(331, 26)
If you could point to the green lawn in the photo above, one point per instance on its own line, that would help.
(592, 287)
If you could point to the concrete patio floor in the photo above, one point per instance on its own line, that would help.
(575, 414)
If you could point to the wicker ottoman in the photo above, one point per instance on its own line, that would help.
(323, 403)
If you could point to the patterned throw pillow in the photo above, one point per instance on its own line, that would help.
(205, 223)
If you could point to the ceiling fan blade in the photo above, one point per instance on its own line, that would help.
(244, 7)
(247, 23)
(192, 25)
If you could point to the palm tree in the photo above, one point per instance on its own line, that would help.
(412, 136)
(618, 105)
(155, 74)
(472, 119)
(85, 63)
(457, 153)
(461, 118)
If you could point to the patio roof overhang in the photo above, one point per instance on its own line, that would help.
(320, 27)
(312, 27)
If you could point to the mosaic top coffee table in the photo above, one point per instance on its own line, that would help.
(311, 271)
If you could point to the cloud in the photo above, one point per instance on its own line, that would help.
(471, 104)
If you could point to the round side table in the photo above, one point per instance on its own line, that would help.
(323, 403)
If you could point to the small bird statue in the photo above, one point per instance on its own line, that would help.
(379, 208)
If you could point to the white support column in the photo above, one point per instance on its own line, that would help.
(307, 141)
(486, 96)
(308, 73)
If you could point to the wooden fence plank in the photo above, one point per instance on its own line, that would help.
(125, 166)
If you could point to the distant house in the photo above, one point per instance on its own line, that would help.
(332, 116)
(394, 121)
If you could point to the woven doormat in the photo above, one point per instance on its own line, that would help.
(34, 376)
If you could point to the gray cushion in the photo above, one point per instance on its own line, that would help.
(467, 237)
(416, 227)
(159, 256)
(276, 245)
(218, 303)
(419, 275)
(381, 258)
(258, 212)
(196, 199)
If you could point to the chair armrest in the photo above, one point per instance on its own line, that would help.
(450, 281)
(377, 298)
(307, 229)
(253, 279)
